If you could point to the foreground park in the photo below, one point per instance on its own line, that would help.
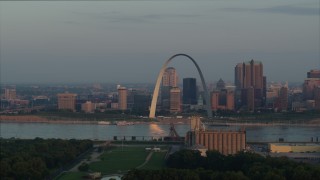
(119, 160)
(76, 159)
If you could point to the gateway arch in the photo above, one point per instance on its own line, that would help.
(157, 87)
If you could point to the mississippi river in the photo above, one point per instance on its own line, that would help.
(107, 132)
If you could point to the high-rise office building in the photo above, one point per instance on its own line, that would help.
(67, 101)
(215, 100)
(222, 99)
(281, 102)
(314, 73)
(122, 98)
(189, 91)
(250, 99)
(169, 80)
(170, 77)
(139, 101)
(220, 84)
(317, 97)
(283, 95)
(249, 80)
(175, 99)
(309, 85)
(9, 94)
(230, 100)
(88, 107)
(238, 76)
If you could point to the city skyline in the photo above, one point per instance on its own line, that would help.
(92, 41)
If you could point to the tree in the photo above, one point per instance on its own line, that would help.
(83, 167)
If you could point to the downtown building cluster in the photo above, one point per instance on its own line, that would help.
(249, 92)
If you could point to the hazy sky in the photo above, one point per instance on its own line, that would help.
(128, 41)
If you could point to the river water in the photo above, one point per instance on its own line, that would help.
(107, 132)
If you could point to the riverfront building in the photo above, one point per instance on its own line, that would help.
(88, 107)
(226, 142)
(67, 101)
(294, 147)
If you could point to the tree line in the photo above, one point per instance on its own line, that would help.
(188, 164)
(38, 158)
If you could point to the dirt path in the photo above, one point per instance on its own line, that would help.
(146, 161)
(94, 157)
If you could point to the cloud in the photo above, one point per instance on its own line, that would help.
(287, 9)
(120, 17)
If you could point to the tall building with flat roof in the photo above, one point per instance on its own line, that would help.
(317, 97)
(175, 99)
(283, 97)
(169, 80)
(170, 77)
(309, 86)
(238, 76)
(122, 98)
(222, 99)
(67, 101)
(88, 107)
(314, 73)
(189, 91)
(10, 94)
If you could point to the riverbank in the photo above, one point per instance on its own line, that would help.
(215, 122)
(39, 119)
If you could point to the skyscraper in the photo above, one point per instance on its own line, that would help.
(175, 99)
(250, 81)
(249, 74)
(122, 98)
(317, 97)
(250, 98)
(170, 77)
(9, 94)
(189, 91)
(314, 73)
(67, 101)
(283, 95)
(220, 84)
(310, 84)
(169, 80)
(138, 101)
(222, 99)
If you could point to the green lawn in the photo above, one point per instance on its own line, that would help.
(119, 159)
(71, 176)
(157, 161)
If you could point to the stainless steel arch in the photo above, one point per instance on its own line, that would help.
(157, 87)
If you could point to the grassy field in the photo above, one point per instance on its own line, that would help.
(156, 162)
(119, 159)
(71, 176)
